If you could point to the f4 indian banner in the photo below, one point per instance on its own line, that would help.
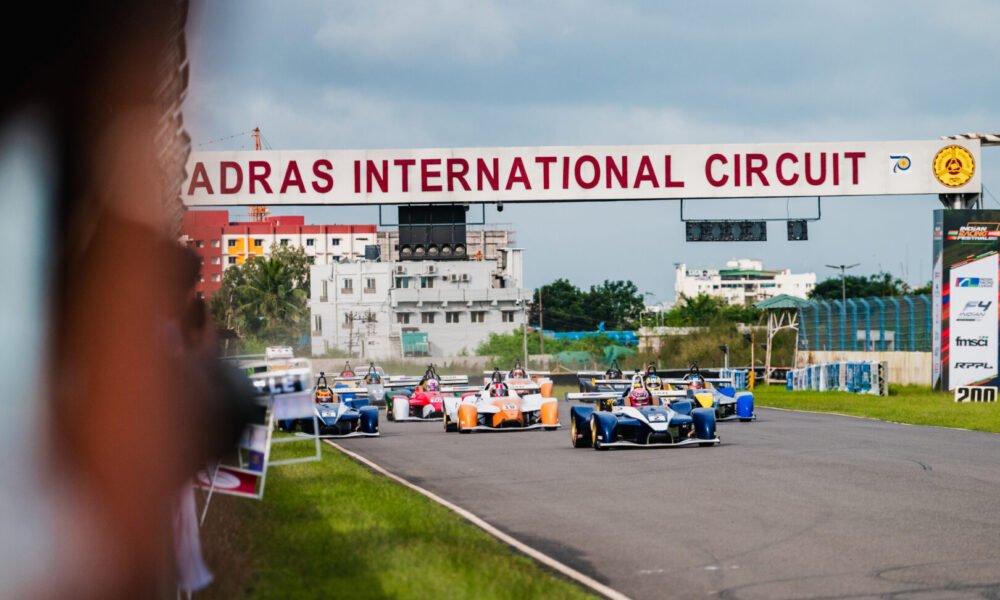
(966, 327)
(581, 173)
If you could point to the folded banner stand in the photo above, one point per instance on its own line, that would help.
(284, 392)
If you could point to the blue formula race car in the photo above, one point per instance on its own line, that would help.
(342, 411)
(729, 403)
(639, 418)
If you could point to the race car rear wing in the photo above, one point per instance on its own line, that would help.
(593, 396)
(411, 380)
(687, 382)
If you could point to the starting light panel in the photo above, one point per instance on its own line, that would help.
(726, 231)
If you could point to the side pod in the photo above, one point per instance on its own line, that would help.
(369, 419)
(704, 423)
(744, 405)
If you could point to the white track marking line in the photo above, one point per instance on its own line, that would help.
(521, 547)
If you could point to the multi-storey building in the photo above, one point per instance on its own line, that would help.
(379, 310)
(221, 243)
(743, 281)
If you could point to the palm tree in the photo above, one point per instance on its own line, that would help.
(267, 302)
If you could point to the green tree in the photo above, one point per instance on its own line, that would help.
(266, 299)
(617, 303)
(562, 303)
(857, 286)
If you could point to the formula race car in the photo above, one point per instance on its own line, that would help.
(640, 418)
(340, 413)
(523, 382)
(371, 381)
(425, 400)
(497, 407)
(612, 380)
(719, 394)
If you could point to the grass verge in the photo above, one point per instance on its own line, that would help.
(334, 529)
(915, 405)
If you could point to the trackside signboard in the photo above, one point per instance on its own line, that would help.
(966, 319)
(562, 173)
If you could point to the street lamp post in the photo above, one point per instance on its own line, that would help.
(843, 282)
(843, 298)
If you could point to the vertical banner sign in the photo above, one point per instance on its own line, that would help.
(967, 340)
(936, 358)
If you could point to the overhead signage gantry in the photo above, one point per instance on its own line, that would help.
(582, 173)
(428, 183)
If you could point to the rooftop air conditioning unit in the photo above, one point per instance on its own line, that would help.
(465, 277)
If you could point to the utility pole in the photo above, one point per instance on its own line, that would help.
(524, 330)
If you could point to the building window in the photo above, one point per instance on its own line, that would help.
(427, 317)
(199, 295)
(477, 316)
(451, 317)
(370, 285)
(362, 239)
(403, 318)
(201, 279)
(324, 294)
(508, 316)
(426, 282)
(402, 282)
(334, 241)
(347, 318)
(347, 285)
(284, 241)
(310, 242)
(201, 260)
(216, 277)
(232, 260)
(199, 244)
(216, 260)
(258, 242)
(216, 243)
(318, 323)
(231, 243)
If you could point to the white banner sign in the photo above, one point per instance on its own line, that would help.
(548, 174)
(972, 336)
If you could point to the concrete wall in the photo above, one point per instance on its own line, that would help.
(906, 368)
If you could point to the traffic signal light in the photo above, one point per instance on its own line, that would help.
(797, 231)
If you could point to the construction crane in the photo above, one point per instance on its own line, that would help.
(258, 214)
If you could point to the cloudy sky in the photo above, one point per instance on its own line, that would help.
(452, 73)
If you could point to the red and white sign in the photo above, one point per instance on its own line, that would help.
(548, 174)
(231, 481)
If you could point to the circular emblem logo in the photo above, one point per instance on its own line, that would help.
(954, 166)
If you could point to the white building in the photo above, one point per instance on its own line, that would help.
(485, 240)
(743, 281)
(382, 310)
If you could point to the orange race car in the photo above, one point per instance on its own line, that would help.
(497, 407)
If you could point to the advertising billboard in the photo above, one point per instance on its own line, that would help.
(966, 292)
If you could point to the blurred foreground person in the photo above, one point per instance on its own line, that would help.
(114, 396)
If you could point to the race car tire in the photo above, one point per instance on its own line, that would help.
(594, 439)
(449, 426)
(307, 426)
(579, 441)
(745, 420)
(706, 444)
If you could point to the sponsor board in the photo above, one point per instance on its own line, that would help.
(581, 173)
(975, 393)
(972, 330)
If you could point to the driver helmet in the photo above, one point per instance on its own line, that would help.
(518, 373)
(498, 390)
(697, 382)
(639, 396)
(323, 394)
(432, 385)
(653, 383)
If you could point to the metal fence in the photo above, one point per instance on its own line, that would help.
(890, 324)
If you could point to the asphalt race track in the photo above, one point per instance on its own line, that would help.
(795, 505)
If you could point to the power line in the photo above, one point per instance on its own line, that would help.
(222, 139)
